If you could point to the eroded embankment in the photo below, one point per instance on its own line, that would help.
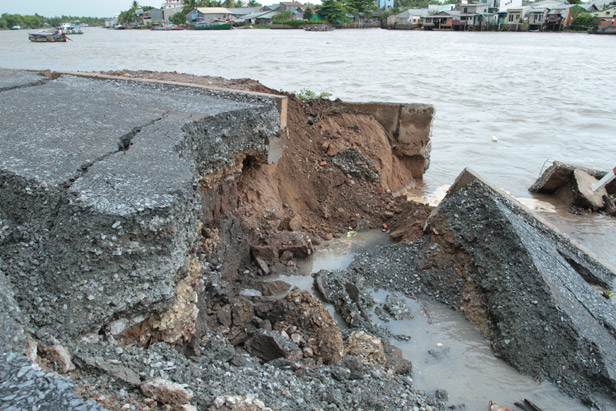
(125, 252)
(125, 237)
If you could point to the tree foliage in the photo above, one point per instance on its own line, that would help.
(308, 13)
(333, 11)
(253, 3)
(338, 11)
(178, 18)
(585, 20)
(36, 21)
(283, 17)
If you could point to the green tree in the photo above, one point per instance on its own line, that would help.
(585, 20)
(254, 3)
(360, 6)
(282, 17)
(10, 20)
(574, 1)
(34, 21)
(127, 16)
(188, 6)
(228, 3)
(333, 11)
(308, 13)
(178, 18)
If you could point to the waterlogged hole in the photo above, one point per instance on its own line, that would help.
(446, 351)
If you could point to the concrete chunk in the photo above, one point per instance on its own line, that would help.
(535, 289)
(99, 190)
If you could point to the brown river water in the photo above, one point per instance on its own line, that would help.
(544, 96)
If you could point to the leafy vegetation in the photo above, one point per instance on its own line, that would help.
(418, 4)
(583, 21)
(35, 21)
(283, 17)
(178, 18)
(308, 13)
(308, 95)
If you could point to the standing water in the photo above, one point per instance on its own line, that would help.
(446, 351)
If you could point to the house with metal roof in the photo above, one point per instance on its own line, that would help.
(207, 14)
(606, 17)
(441, 21)
(260, 17)
(560, 17)
(408, 18)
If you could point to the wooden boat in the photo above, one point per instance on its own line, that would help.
(214, 25)
(320, 27)
(47, 37)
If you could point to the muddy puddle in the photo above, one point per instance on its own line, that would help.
(446, 351)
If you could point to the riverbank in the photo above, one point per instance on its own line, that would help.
(200, 325)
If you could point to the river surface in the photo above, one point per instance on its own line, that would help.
(544, 96)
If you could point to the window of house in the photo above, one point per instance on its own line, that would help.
(510, 18)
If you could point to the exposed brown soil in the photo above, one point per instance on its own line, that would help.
(307, 189)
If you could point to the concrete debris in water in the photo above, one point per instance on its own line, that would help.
(527, 287)
(573, 186)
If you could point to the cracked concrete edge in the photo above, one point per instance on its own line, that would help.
(281, 101)
(468, 175)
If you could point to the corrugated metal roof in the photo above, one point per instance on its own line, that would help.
(261, 15)
(213, 10)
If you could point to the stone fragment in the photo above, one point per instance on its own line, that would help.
(397, 307)
(60, 357)
(268, 345)
(275, 287)
(166, 392)
(582, 191)
(365, 346)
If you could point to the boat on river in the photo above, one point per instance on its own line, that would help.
(69, 28)
(47, 37)
(16, 28)
(319, 27)
(213, 25)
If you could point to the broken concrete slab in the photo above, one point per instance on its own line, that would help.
(11, 79)
(531, 287)
(583, 192)
(408, 128)
(99, 209)
(560, 173)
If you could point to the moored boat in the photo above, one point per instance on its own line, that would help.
(16, 28)
(320, 27)
(213, 25)
(47, 37)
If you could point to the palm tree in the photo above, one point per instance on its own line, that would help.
(188, 6)
(135, 5)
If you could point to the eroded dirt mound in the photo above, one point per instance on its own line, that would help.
(338, 171)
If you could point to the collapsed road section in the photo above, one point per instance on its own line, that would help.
(99, 193)
(128, 212)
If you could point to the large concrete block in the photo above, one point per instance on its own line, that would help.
(99, 190)
(408, 127)
(533, 289)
